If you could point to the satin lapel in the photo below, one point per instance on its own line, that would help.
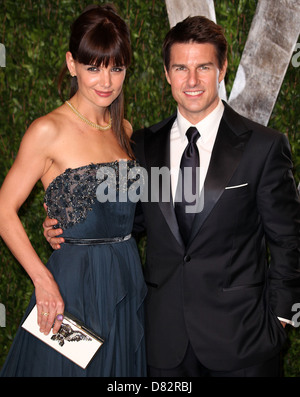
(227, 152)
(157, 153)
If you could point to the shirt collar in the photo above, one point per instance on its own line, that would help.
(206, 127)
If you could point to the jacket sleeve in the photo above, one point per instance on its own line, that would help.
(279, 206)
(137, 141)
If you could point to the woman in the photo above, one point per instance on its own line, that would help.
(96, 276)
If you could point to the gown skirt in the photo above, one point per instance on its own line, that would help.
(101, 283)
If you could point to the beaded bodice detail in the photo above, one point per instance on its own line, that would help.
(73, 194)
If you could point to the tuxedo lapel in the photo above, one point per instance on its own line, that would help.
(157, 144)
(228, 149)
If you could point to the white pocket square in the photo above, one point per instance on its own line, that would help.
(236, 186)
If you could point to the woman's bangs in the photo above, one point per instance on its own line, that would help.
(103, 49)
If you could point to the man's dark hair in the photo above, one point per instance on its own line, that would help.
(200, 30)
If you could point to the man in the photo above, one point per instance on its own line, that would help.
(215, 307)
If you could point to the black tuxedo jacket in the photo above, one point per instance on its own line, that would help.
(220, 292)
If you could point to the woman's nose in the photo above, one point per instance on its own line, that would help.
(105, 78)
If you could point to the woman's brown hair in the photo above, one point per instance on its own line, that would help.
(100, 36)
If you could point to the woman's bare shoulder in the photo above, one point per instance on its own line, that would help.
(46, 128)
(48, 123)
(127, 127)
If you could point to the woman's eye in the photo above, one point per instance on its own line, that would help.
(117, 69)
(92, 69)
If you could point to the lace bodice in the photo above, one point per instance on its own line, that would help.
(72, 194)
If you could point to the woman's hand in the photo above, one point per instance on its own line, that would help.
(49, 304)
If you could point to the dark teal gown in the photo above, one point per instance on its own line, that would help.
(102, 283)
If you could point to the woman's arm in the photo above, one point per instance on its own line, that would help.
(32, 162)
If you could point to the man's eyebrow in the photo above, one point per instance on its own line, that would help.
(176, 65)
(182, 65)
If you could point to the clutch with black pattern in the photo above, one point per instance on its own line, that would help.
(73, 340)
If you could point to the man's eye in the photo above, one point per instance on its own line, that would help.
(180, 68)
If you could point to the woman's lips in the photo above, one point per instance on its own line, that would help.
(103, 94)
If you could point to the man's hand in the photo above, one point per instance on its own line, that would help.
(51, 234)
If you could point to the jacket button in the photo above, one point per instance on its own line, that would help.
(187, 258)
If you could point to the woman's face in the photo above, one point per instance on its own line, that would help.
(100, 85)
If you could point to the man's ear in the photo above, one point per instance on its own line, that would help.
(223, 71)
(70, 64)
(167, 75)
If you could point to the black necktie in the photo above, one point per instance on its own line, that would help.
(187, 184)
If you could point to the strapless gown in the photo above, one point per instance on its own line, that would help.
(102, 284)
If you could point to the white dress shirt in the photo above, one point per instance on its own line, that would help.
(208, 129)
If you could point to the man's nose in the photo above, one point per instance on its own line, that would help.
(193, 78)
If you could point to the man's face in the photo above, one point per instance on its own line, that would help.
(194, 76)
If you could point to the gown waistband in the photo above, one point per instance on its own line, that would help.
(96, 241)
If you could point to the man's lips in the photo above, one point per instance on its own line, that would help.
(194, 93)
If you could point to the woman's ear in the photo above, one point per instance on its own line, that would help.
(70, 64)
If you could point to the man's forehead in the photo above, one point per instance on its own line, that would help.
(201, 53)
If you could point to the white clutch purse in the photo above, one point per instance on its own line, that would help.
(73, 340)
